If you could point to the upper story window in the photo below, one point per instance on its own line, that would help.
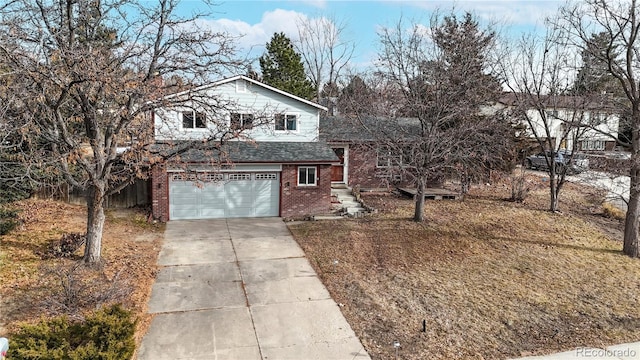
(241, 86)
(241, 121)
(552, 114)
(598, 116)
(193, 120)
(286, 122)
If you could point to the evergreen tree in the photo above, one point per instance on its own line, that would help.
(594, 77)
(282, 68)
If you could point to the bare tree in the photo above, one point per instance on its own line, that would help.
(539, 70)
(432, 90)
(85, 77)
(619, 23)
(325, 52)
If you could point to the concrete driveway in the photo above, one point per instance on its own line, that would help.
(241, 289)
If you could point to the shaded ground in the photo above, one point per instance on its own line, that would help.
(33, 287)
(491, 279)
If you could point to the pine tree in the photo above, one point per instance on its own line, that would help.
(594, 77)
(282, 68)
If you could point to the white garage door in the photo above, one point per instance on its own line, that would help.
(224, 195)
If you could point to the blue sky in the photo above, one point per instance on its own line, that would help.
(256, 21)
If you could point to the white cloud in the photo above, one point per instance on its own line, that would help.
(321, 4)
(513, 12)
(253, 37)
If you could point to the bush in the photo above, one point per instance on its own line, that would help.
(8, 220)
(612, 212)
(105, 335)
(64, 247)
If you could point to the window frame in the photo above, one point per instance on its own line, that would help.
(243, 123)
(391, 160)
(194, 120)
(306, 169)
(285, 117)
(593, 145)
(241, 86)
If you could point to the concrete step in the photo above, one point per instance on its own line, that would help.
(353, 210)
(328, 217)
(340, 192)
(346, 197)
(350, 204)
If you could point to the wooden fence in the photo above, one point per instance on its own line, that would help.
(136, 194)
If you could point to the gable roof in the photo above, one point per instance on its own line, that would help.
(340, 129)
(252, 81)
(598, 103)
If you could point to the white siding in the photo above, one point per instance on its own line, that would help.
(261, 102)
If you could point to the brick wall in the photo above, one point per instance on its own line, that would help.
(160, 192)
(301, 201)
(363, 171)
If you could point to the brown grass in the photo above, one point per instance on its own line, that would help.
(130, 248)
(492, 279)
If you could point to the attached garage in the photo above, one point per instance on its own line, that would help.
(224, 195)
(261, 179)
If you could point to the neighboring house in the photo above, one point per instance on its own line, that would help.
(278, 167)
(363, 163)
(601, 120)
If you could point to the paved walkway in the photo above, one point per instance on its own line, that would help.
(241, 289)
(617, 352)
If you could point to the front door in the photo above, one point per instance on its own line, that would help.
(337, 171)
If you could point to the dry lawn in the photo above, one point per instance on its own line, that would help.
(31, 287)
(491, 279)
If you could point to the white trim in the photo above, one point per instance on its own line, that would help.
(345, 167)
(297, 130)
(315, 177)
(252, 81)
(254, 167)
(241, 86)
(194, 128)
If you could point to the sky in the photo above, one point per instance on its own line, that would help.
(256, 21)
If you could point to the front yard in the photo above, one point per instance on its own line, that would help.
(36, 284)
(490, 279)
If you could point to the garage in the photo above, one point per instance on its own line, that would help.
(223, 195)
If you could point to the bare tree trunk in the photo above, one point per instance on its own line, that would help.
(631, 223)
(95, 223)
(419, 214)
(553, 193)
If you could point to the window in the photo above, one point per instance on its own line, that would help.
(241, 86)
(592, 145)
(193, 120)
(552, 114)
(239, 176)
(286, 122)
(307, 176)
(598, 117)
(387, 158)
(241, 121)
(268, 176)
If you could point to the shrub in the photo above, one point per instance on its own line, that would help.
(65, 247)
(105, 335)
(8, 220)
(612, 212)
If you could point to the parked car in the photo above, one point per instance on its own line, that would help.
(573, 164)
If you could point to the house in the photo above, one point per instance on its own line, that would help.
(363, 163)
(600, 118)
(275, 166)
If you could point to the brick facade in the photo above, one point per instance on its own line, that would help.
(301, 201)
(160, 192)
(295, 201)
(363, 172)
